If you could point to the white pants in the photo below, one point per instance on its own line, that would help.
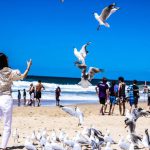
(6, 105)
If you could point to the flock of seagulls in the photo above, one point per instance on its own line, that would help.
(134, 140)
(86, 76)
(88, 137)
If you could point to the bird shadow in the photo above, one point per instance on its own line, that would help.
(15, 147)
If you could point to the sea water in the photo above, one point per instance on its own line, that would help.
(71, 92)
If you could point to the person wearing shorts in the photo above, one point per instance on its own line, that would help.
(102, 91)
(39, 88)
(112, 97)
(122, 96)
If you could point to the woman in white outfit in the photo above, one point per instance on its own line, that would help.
(7, 76)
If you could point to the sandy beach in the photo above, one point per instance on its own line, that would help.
(27, 119)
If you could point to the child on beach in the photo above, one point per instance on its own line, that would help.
(7, 76)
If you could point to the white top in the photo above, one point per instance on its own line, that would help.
(7, 76)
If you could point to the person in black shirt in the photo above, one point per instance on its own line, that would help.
(57, 95)
(135, 93)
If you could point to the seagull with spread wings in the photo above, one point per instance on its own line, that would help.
(86, 77)
(81, 55)
(105, 14)
(76, 112)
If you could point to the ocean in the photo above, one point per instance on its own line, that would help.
(71, 93)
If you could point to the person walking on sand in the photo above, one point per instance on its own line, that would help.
(136, 93)
(19, 97)
(24, 96)
(131, 97)
(112, 97)
(102, 91)
(7, 76)
(32, 95)
(57, 95)
(39, 88)
(122, 95)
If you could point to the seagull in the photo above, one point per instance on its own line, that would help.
(123, 144)
(146, 139)
(92, 71)
(135, 139)
(77, 146)
(15, 135)
(139, 112)
(108, 138)
(86, 77)
(131, 124)
(61, 135)
(74, 112)
(39, 135)
(81, 55)
(108, 146)
(33, 137)
(28, 144)
(105, 14)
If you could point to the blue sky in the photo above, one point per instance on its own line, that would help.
(47, 31)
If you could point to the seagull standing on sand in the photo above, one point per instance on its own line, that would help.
(108, 146)
(15, 135)
(105, 14)
(74, 112)
(146, 139)
(123, 144)
(81, 55)
(28, 144)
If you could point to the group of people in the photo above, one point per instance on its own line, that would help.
(35, 95)
(117, 94)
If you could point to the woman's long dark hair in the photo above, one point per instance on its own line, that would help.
(3, 61)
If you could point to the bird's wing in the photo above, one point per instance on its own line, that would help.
(76, 53)
(83, 50)
(105, 14)
(69, 110)
(92, 71)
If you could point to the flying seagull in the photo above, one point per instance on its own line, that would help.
(105, 14)
(86, 77)
(81, 55)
